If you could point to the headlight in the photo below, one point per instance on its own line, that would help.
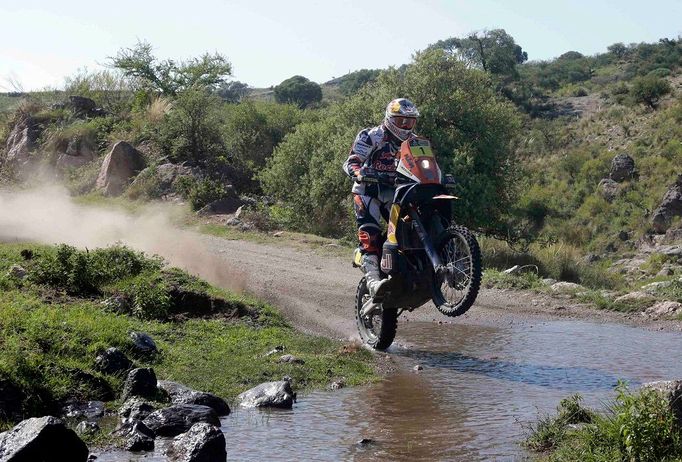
(426, 163)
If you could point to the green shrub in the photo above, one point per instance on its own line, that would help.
(201, 192)
(649, 90)
(298, 90)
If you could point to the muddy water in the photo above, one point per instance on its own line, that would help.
(479, 386)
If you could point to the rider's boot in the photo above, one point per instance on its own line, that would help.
(375, 285)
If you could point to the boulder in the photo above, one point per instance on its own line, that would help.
(42, 439)
(608, 189)
(672, 391)
(87, 428)
(78, 153)
(181, 394)
(84, 107)
(136, 408)
(269, 394)
(290, 359)
(670, 206)
(634, 297)
(202, 443)
(121, 164)
(566, 287)
(112, 361)
(179, 418)
(622, 168)
(21, 141)
(225, 206)
(165, 177)
(17, 271)
(139, 438)
(664, 309)
(654, 287)
(143, 343)
(140, 382)
(89, 410)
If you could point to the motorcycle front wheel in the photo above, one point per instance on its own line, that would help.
(378, 328)
(456, 287)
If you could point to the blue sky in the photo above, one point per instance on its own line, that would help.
(267, 41)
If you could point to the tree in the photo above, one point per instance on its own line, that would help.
(168, 76)
(619, 50)
(298, 90)
(233, 92)
(352, 82)
(493, 51)
(649, 90)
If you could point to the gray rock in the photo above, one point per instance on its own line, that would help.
(239, 212)
(634, 297)
(83, 107)
(89, 410)
(136, 408)
(656, 286)
(566, 287)
(139, 438)
(181, 394)
(622, 167)
(269, 394)
(112, 361)
(17, 271)
(418, 368)
(117, 304)
(78, 153)
(672, 391)
(140, 382)
(22, 139)
(663, 309)
(165, 177)
(670, 206)
(42, 439)
(338, 384)
(143, 343)
(87, 428)
(274, 351)
(179, 418)
(591, 258)
(608, 189)
(202, 443)
(224, 206)
(549, 281)
(121, 164)
(290, 359)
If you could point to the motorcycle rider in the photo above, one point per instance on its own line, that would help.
(377, 148)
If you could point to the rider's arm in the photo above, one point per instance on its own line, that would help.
(359, 152)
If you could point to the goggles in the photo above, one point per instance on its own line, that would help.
(404, 123)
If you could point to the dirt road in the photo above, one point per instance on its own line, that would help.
(316, 291)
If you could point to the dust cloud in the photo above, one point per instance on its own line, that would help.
(49, 215)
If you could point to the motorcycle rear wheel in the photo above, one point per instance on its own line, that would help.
(456, 290)
(377, 329)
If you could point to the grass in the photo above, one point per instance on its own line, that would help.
(637, 426)
(49, 337)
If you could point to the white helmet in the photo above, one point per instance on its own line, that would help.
(401, 117)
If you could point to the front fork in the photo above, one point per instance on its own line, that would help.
(424, 237)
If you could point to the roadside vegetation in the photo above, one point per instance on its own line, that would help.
(71, 305)
(636, 426)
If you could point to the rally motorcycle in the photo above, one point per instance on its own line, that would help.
(425, 255)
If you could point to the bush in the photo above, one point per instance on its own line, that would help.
(649, 90)
(201, 192)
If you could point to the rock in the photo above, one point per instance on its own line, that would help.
(634, 297)
(112, 361)
(673, 235)
(143, 343)
(84, 107)
(278, 233)
(623, 235)
(337, 384)
(591, 258)
(549, 281)
(42, 439)
(224, 206)
(17, 271)
(662, 309)
(277, 349)
(608, 189)
(665, 271)
(84, 410)
(239, 212)
(117, 304)
(622, 167)
(269, 394)
(121, 164)
(670, 206)
(165, 177)
(418, 368)
(656, 286)
(202, 443)
(11, 397)
(672, 391)
(181, 394)
(136, 408)
(86, 428)
(139, 438)
(290, 359)
(366, 442)
(566, 287)
(513, 269)
(21, 141)
(140, 382)
(179, 418)
(233, 221)
(78, 153)
(99, 388)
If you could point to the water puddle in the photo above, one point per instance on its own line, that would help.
(479, 386)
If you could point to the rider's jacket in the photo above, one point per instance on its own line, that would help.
(376, 148)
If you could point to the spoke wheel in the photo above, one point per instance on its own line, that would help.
(378, 328)
(456, 286)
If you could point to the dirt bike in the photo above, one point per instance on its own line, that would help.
(425, 255)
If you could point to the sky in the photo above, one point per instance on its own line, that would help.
(267, 41)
